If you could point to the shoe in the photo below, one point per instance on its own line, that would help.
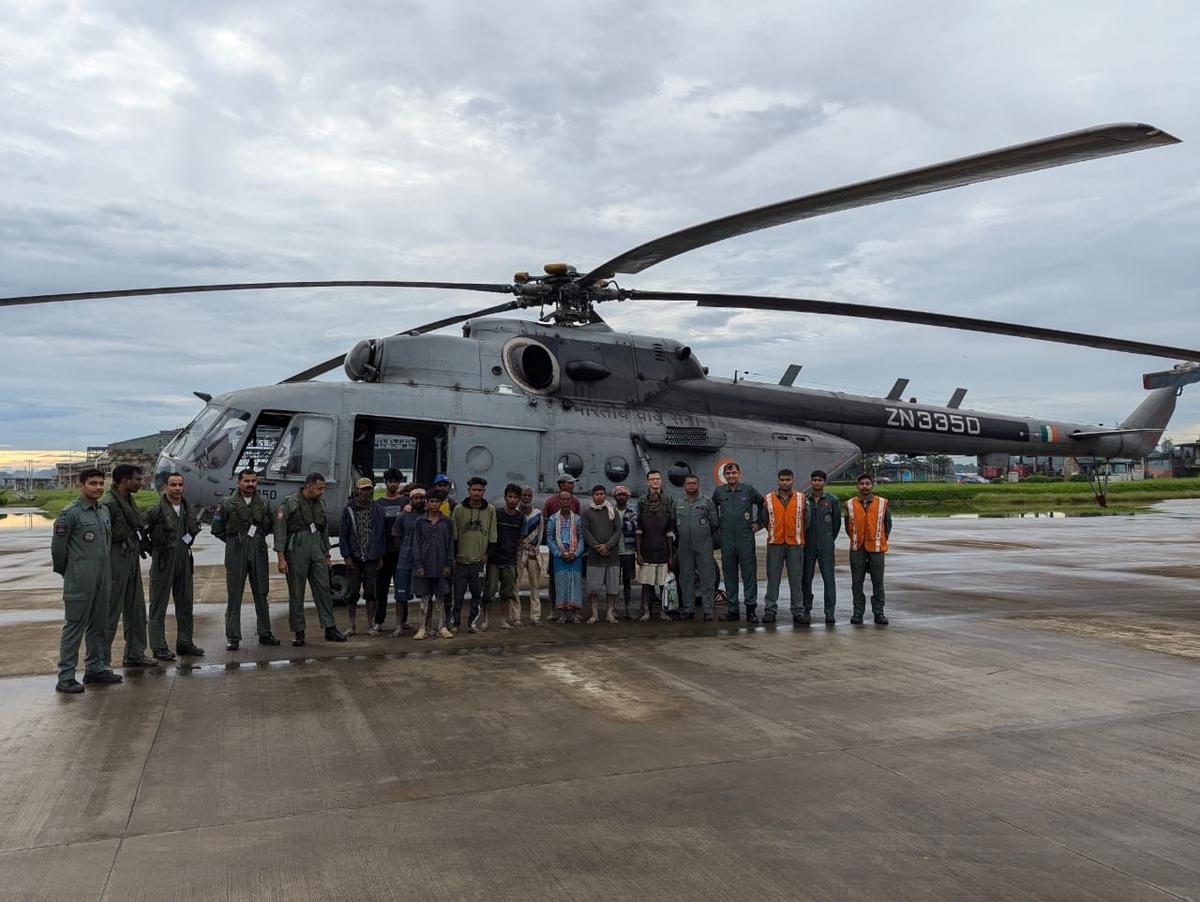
(751, 617)
(374, 630)
(419, 634)
(268, 639)
(644, 617)
(398, 632)
(349, 632)
(232, 645)
(768, 618)
(830, 620)
(164, 654)
(731, 617)
(70, 687)
(881, 620)
(708, 617)
(189, 650)
(506, 626)
(856, 619)
(516, 623)
(445, 633)
(800, 620)
(143, 661)
(332, 634)
(103, 676)
(299, 640)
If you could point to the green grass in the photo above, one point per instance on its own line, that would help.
(1014, 497)
(54, 500)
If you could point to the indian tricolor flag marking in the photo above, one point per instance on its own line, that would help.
(1050, 434)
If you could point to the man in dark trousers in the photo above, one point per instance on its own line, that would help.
(391, 505)
(127, 600)
(824, 524)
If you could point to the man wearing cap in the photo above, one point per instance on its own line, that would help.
(628, 555)
(736, 502)
(440, 494)
(474, 531)
(566, 483)
(359, 541)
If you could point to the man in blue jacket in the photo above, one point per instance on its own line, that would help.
(361, 543)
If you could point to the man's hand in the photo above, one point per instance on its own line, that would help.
(447, 572)
(638, 557)
(281, 564)
(419, 571)
(328, 561)
(347, 562)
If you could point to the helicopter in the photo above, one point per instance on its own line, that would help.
(523, 401)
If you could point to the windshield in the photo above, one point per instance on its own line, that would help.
(212, 439)
(183, 444)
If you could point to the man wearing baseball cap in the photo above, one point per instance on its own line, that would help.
(440, 494)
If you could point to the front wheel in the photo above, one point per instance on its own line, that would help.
(337, 584)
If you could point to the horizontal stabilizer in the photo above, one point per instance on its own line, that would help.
(1103, 433)
(1180, 375)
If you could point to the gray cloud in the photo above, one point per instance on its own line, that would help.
(156, 143)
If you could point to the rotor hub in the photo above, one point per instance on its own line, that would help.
(562, 287)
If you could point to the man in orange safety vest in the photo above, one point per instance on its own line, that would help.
(783, 515)
(868, 524)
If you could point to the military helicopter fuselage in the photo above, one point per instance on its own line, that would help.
(519, 401)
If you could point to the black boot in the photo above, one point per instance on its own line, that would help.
(232, 645)
(268, 639)
(332, 634)
(299, 640)
(856, 619)
(880, 619)
(731, 615)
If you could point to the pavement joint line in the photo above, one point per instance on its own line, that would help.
(162, 716)
(565, 781)
(1026, 830)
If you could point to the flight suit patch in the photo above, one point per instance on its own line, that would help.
(89, 535)
(60, 529)
(746, 515)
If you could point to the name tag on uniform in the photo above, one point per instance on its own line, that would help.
(187, 538)
(312, 527)
(253, 530)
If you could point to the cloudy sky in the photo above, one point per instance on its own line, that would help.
(151, 143)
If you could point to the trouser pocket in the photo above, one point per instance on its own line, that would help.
(75, 609)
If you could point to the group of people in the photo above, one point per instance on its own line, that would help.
(417, 543)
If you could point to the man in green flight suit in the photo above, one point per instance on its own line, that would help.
(242, 521)
(302, 552)
(172, 526)
(697, 524)
(824, 521)
(737, 501)
(127, 598)
(80, 552)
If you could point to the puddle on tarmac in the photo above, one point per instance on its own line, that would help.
(25, 519)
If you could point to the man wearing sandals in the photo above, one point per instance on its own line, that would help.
(602, 535)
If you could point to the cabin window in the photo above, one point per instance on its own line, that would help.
(305, 446)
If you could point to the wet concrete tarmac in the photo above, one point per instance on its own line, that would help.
(1026, 728)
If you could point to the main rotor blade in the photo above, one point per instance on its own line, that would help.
(919, 317)
(334, 362)
(245, 286)
(1072, 147)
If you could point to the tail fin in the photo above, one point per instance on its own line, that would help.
(1153, 413)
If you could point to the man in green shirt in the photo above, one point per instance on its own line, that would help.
(242, 521)
(302, 552)
(80, 551)
(474, 524)
(172, 526)
(127, 598)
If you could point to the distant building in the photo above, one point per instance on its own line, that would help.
(141, 451)
(1174, 460)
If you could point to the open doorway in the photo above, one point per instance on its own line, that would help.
(416, 448)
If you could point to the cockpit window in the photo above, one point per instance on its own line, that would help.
(212, 439)
(182, 446)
